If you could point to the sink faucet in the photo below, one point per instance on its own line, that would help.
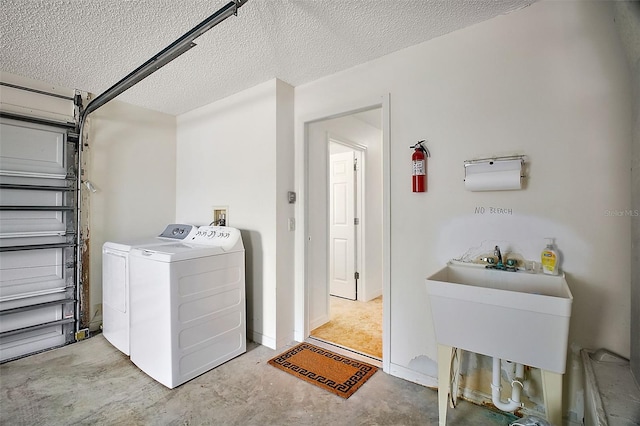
(508, 265)
(496, 252)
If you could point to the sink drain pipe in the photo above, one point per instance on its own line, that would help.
(512, 403)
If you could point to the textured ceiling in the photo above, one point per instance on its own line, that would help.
(92, 44)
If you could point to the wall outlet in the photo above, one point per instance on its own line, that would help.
(291, 224)
(220, 216)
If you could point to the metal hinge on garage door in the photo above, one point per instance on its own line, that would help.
(38, 234)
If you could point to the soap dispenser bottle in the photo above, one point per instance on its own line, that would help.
(549, 258)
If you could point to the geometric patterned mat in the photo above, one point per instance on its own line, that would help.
(335, 373)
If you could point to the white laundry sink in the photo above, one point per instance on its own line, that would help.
(518, 316)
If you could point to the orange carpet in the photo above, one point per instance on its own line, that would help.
(328, 370)
(354, 325)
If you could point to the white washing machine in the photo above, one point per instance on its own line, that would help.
(116, 282)
(188, 311)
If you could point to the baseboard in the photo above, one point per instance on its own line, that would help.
(370, 296)
(298, 336)
(260, 338)
(318, 322)
(285, 341)
(413, 376)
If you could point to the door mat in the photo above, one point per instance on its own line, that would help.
(328, 370)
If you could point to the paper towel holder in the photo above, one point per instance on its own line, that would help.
(492, 159)
(512, 164)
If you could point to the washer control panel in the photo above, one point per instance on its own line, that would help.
(177, 231)
(222, 236)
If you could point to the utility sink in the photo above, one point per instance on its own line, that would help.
(518, 316)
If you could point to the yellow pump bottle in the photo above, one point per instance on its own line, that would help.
(549, 258)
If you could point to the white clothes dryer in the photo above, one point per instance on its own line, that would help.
(188, 312)
(116, 281)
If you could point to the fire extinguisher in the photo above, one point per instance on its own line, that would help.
(419, 160)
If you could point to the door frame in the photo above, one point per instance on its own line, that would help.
(301, 300)
(360, 194)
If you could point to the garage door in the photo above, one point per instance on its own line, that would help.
(38, 226)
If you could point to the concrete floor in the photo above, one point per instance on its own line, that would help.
(91, 382)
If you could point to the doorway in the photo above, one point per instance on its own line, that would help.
(345, 186)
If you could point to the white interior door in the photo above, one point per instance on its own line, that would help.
(342, 231)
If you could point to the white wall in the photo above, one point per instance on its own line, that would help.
(132, 165)
(357, 131)
(238, 153)
(548, 81)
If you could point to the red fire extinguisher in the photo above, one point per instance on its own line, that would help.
(419, 160)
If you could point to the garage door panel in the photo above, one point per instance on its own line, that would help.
(16, 345)
(31, 223)
(18, 264)
(24, 289)
(31, 180)
(38, 223)
(8, 304)
(30, 197)
(27, 151)
(27, 318)
(28, 240)
(28, 273)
